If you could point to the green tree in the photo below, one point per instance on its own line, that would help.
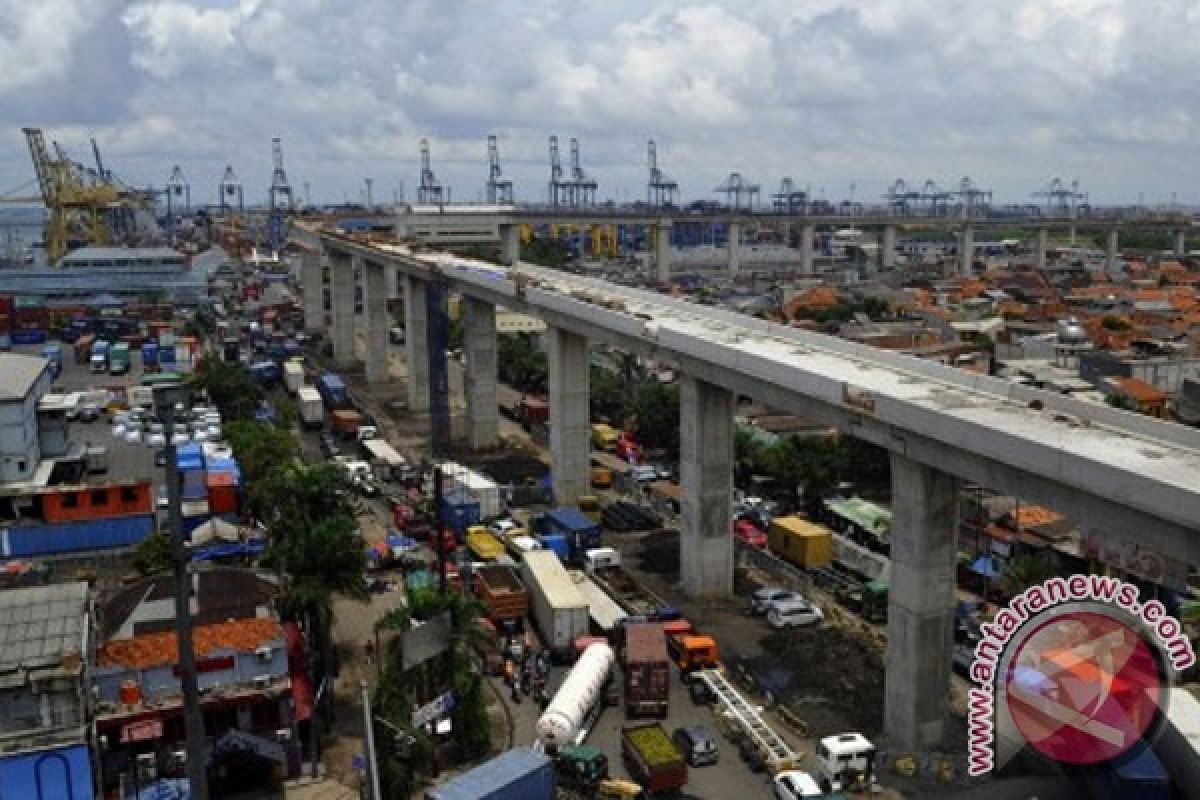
(808, 465)
(303, 494)
(153, 554)
(1026, 570)
(520, 363)
(607, 396)
(546, 252)
(657, 414)
(235, 393)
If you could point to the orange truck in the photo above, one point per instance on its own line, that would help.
(690, 649)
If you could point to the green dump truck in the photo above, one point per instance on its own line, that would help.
(652, 759)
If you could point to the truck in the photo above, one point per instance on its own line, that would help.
(83, 348)
(528, 410)
(293, 376)
(605, 614)
(689, 648)
(603, 564)
(518, 774)
(265, 372)
(99, 359)
(479, 486)
(581, 532)
(483, 545)
(578, 702)
(501, 592)
(581, 767)
(805, 544)
(345, 422)
(846, 759)
(54, 354)
(333, 391)
(312, 412)
(647, 670)
(652, 759)
(383, 457)
(559, 610)
(605, 437)
(149, 356)
(118, 358)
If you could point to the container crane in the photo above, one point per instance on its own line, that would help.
(1062, 200)
(789, 199)
(429, 192)
(582, 186)
(973, 201)
(229, 189)
(660, 189)
(499, 188)
(938, 199)
(558, 191)
(179, 198)
(739, 192)
(901, 198)
(279, 192)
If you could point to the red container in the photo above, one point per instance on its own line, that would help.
(5, 323)
(222, 493)
(6, 304)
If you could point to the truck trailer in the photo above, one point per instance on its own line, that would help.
(312, 412)
(647, 670)
(559, 610)
(518, 774)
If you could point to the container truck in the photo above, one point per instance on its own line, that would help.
(333, 391)
(518, 774)
(383, 457)
(312, 412)
(345, 422)
(581, 532)
(481, 487)
(459, 511)
(647, 670)
(652, 759)
(99, 359)
(501, 592)
(577, 703)
(605, 614)
(603, 564)
(806, 544)
(559, 610)
(118, 358)
(293, 376)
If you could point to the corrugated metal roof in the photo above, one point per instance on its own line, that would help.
(18, 374)
(41, 625)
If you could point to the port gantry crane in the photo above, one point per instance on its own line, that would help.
(279, 196)
(499, 188)
(739, 192)
(1061, 200)
(229, 189)
(557, 188)
(660, 189)
(429, 191)
(973, 201)
(582, 186)
(177, 190)
(789, 199)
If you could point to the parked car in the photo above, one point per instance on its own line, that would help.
(697, 743)
(794, 614)
(762, 599)
(793, 784)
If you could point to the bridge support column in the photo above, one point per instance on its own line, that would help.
(735, 248)
(375, 302)
(570, 433)
(510, 244)
(1071, 235)
(341, 287)
(1039, 249)
(661, 231)
(920, 605)
(1180, 243)
(416, 343)
(807, 234)
(312, 281)
(479, 378)
(1112, 250)
(706, 476)
(966, 251)
(887, 248)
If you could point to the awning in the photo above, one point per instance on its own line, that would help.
(214, 529)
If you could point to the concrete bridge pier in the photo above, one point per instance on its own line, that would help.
(661, 232)
(887, 248)
(312, 279)
(1112, 250)
(375, 306)
(510, 244)
(1181, 243)
(479, 377)
(808, 232)
(735, 248)
(416, 343)
(706, 476)
(1071, 235)
(341, 287)
(1039, 249)
(966, 251)
(921, 603)
(570, 432)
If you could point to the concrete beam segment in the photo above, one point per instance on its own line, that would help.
(662, 251)
(920, 604)
(1181, 243)
(416, 343)
(341, 279)
(966, 251)
(570, 434)
(1039, 249)
(312, 283)
(377, 320)
(887, 248)
(735, 248)
(479, 380)
(706, 475)
(1112, 249)
(807, 234)
(510, 242)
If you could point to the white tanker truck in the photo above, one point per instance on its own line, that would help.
(577, 702)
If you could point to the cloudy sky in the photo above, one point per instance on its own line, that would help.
(834, 93)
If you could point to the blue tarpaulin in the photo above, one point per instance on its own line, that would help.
(986, 566)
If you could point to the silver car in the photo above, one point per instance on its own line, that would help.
(762, 599)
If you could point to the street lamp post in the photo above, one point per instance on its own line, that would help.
(165, 397)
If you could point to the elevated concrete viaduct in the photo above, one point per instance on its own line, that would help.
(1125, 478)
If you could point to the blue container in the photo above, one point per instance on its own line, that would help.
(80, 536)
(195, 485)
(28, 337)
(166, 355)
(460, 511)
(519, 774)
(558, 543)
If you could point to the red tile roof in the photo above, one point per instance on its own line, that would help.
(157, 649)
(1139, 391)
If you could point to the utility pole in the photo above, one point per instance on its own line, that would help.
(372, 762)
(439, 529)
(165, 399)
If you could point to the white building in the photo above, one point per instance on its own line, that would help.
(23, 381)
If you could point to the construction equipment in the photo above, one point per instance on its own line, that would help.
(279, 192)
(660, 189)
(499, 188)
(429, 192)
(776, 754)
